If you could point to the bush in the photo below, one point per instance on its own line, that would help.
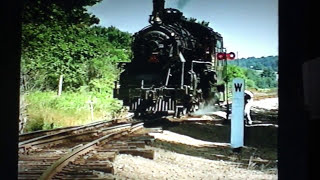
(250, 84)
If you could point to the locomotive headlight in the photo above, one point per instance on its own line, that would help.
(172, 34)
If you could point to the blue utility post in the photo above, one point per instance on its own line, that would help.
(237, 123)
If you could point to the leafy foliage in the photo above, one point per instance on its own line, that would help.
(253, 79)
(80, 54)
(61, 38)
(261, 71)
(234, 72)
(66, 12)
(65, 44)
(257, 63)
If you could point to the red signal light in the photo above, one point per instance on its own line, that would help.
(221, 56)
(231, 56)
(226, 56)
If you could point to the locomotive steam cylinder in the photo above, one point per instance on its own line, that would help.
(157, 13)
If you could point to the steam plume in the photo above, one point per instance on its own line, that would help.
(182, 3)
(206, 109)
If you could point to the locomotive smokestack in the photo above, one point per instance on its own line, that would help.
(157, 13)
(158, 6)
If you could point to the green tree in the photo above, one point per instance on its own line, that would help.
(258, 66)
(261, 83)
(251, 74)
(68, 12)
(58, 39)
(234, 72)
(268, 65)
(250, 83)
(268, 72)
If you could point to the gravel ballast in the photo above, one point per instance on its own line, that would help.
(170, 165)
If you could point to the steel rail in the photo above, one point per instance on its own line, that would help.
(43, 141)
(67, 131)
(63, 161)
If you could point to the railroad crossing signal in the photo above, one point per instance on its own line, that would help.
(226, 56)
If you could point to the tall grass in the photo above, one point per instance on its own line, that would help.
(46, 110)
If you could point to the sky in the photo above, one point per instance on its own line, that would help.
(249, 27)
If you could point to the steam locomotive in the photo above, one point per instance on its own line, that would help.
(174, 67)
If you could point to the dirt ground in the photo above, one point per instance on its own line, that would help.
(170, 165)
(268, 104)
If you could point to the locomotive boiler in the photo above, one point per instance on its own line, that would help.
(174, 67)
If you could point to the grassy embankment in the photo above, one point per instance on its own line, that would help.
(46, 110)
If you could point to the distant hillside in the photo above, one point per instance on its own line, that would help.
(270, 62)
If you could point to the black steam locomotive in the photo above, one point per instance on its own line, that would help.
(174, 68)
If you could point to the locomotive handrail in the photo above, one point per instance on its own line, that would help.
(199, 62)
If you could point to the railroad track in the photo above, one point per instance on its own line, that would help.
(83, 152)
(65, 130)
(34, 134)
